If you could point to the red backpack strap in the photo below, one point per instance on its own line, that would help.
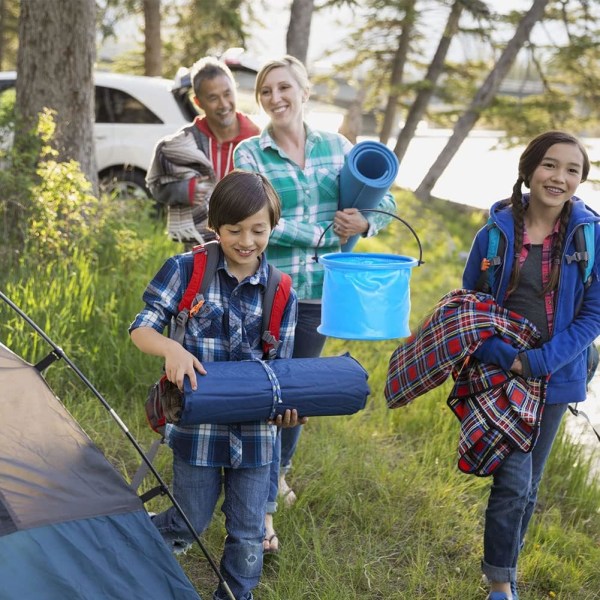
(275, 300)
(206, 258)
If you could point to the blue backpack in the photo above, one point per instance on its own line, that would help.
(584, 257)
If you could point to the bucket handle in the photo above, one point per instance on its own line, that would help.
(383, 212)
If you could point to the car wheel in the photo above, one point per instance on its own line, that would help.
(122, 183)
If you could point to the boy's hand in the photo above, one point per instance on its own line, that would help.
(179, 363)
(288, 419)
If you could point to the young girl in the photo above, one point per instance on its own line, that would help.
(538, 279)
(237, 457)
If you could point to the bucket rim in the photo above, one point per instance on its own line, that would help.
(348, 260)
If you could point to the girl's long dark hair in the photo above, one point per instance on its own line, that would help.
(530, 159)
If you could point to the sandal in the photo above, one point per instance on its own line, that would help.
(286, 492)
(272, 548)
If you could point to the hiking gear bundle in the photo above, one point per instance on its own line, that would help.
(255, 390)
(162, 395)
(64, 508)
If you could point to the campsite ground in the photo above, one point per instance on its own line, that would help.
(383, 513)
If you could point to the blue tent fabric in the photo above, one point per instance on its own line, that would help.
(368, 173)
(253, 390)
(117, 557)
(70, 526)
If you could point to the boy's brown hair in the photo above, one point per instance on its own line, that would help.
(239, 195)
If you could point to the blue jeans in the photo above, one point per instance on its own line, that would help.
(512, 500)
(274, 474)
(308, 343)
(197, 490)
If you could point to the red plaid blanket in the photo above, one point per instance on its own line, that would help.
(498, 410)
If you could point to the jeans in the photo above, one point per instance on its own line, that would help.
(274, 474)
(512, 500)
(197, 490)
(308, 343)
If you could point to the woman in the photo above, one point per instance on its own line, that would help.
(303, 165)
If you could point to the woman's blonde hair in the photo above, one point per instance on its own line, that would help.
(295, 67)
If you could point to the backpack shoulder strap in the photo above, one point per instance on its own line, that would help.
(206, 258)
(493, 259)
(585, 247)
(277, 293)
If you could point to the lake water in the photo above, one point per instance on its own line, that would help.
(480, 174)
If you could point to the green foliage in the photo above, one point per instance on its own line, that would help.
(17, 178)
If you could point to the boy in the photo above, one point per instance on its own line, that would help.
(244, 209)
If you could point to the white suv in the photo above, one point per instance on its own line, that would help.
(132, 113)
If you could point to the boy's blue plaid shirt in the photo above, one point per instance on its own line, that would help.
(309, 201)
(227, 327)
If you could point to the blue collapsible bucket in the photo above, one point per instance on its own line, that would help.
(367, 296)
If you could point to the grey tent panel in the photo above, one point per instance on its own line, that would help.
(50, 470)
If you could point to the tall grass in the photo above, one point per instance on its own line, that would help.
(383, 512)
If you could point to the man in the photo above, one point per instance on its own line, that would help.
(186, 165)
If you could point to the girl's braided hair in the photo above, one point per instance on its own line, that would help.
(530, 159)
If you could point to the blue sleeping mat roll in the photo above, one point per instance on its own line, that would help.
(368, 173)
(255, 390)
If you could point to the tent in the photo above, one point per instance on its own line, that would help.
(70, 526)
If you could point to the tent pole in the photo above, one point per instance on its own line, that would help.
(60, 353)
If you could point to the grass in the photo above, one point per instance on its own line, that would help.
(383, 512)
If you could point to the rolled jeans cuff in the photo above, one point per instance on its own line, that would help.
(271, 507)
(499, 574)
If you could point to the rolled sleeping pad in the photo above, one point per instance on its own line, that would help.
(255, 390)
(368, 173)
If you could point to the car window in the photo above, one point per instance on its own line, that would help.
(116, 106)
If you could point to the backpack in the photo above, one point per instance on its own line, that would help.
(161, 404)
(584, 256)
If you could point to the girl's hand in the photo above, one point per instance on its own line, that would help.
(179, 363)
(517, 366)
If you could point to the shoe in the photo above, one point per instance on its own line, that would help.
(498, 596)
(513, 590)
(269, 540)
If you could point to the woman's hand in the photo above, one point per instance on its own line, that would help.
(349, 222)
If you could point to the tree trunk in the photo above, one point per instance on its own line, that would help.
(397, 74)
(351, 126)
(436, 68)
(2, 32)
(152, 38)
(483, 98)
(55, 70)
(298, 33)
